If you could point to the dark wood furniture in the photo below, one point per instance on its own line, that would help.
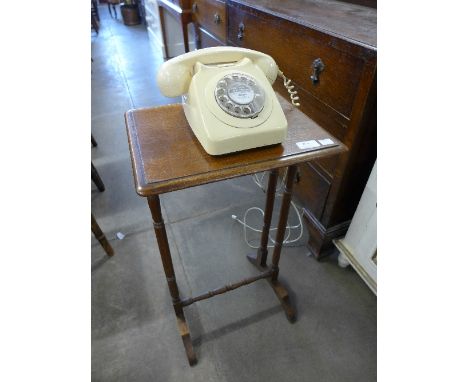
(181, 9)
(329, 50)
(95, 10)
(96, 178)
(94, 225)
(166, 156)
(99, 235)
(95, 16)
(111, 6)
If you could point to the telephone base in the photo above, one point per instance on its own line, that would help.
(220, 132)
(218, 138)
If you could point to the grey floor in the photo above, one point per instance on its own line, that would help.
(239, 336)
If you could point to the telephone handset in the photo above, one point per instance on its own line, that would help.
(227, 97)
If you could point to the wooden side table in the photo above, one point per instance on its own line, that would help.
(166, 156)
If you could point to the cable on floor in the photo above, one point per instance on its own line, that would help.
(289, 228)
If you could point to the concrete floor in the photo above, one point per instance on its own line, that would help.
(239, 336)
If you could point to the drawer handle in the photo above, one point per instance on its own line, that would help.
(194, 8)
(240, 35)
(216, 18)
(318, 66)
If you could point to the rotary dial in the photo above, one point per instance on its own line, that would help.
(239, 95)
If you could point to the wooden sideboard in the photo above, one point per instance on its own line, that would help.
(329, 50)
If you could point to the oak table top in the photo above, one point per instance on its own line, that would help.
(166, 155)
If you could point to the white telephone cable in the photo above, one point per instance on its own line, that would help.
(246, 226)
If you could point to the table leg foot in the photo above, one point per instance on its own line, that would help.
(256, 260)
(282, 294)
(187, 341)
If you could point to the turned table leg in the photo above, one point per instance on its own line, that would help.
(259, 259)
(163, 244)
(279, 289)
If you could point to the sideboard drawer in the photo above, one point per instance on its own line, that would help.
(295, 47)
(211, 14)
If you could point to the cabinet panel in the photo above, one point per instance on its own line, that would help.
(333, 122)
(328, 165)
(312, 188)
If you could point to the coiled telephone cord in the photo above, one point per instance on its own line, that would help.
(292, 93)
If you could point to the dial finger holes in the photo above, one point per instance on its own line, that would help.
(239, 95)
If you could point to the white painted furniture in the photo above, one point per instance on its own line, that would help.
(359, 246)
(174, 37)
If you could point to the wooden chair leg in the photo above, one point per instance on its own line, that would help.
(101, 237)
(96, 178)
(95, 23)
(95, 9)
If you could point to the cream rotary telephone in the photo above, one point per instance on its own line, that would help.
(227, 97)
